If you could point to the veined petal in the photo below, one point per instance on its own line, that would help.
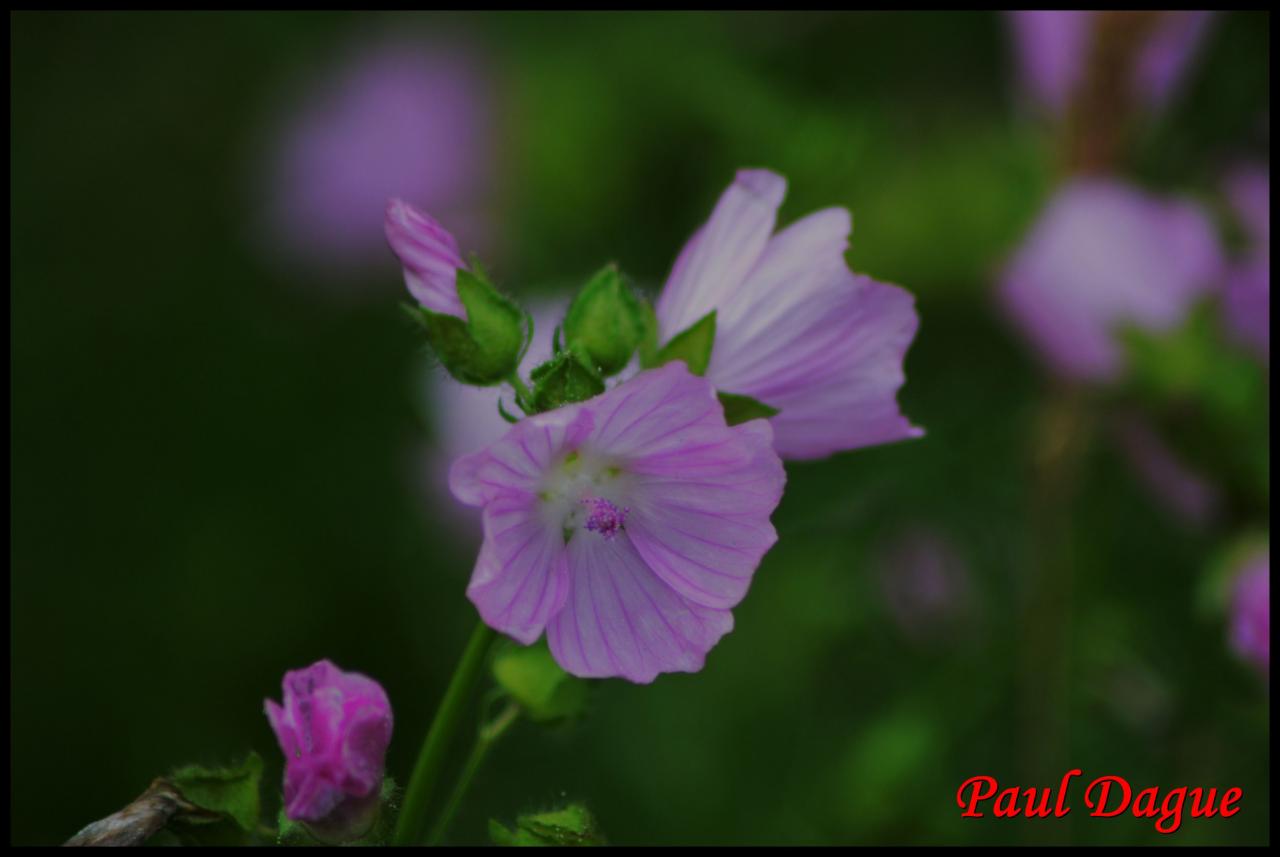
(429, 255)
(718, 258)
(801, 267)
(833, 367)
(516, 463)
(663, 409)
(621, 620)
(520, 580)
(704, 532)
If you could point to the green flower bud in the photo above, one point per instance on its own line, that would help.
(606, 321)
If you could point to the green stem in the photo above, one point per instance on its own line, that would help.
(426, 773)
(523, 395)
(487, 737)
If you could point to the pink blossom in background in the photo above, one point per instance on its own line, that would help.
(333, 728)
(795, 329)
(1184, 492)
(1102, 255)
(925, 583)
(626, 526)
(1247, 295)
(1053, 47)
(399, 117)
(1251, 611)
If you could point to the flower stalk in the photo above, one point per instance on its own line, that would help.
(426, 773)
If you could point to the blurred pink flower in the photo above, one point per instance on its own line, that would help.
(925, 583)
(1187, 494)
(1251, 611)
(795, 329)
(400, 118)
(1053, 49)
(1247, 295)
(333, 728)
(1103, 255)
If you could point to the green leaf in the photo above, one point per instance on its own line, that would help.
(231, 791)
(485, 348)
(692, 345)
(564, 379)
(532, 678)
(572, 825)
(741, 409)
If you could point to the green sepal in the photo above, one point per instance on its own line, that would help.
(572, 825)
(564, 379)
(648, 348)
(485, 348)
(692, 345)
(296, 833)
(231, 792)
(741, 409)
(605, 321)
(531, 677)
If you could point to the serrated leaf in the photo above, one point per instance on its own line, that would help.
(533, 679)
(231, 791)
(740, 409)
(692, 345)
(605, 320)
(572, 825)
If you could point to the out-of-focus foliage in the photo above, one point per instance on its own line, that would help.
(214, 469)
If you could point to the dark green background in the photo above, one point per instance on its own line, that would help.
(212, 464)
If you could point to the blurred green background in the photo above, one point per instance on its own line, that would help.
(215, 467)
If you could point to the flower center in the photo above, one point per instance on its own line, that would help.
(604, 517)
(583, 492)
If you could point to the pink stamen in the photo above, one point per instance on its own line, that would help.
(605, 518)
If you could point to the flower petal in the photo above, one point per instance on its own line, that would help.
(516, 463)
(704, 530)
(832, 365)
(621, 620)
(429, 255)
(520, 579)
(720, 255)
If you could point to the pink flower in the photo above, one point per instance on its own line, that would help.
(333, 729)
(429, 255)
(794, 328)
(1247, 294)
(627, 526)
(1053, 50)
(1103, 255)
(1251, 611)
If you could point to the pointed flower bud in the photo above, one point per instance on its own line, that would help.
(334, 728)
(429, 255)
(606, 320)
(478, 334)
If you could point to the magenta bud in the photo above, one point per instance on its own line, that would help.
(333, 728)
